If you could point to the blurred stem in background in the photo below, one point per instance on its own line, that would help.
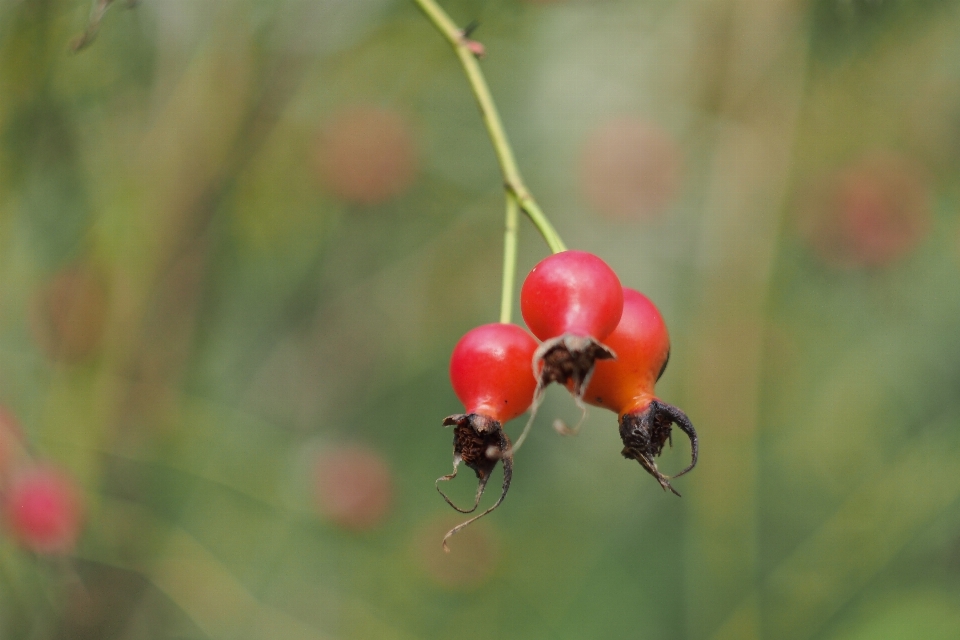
(747, 190)
(518, 196)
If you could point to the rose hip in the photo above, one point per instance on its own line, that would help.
(490, 373)
(571, 300)
(626, 386)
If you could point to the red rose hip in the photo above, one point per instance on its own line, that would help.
(571, 292)
(571, 300)
(626, 386)
(490, 373)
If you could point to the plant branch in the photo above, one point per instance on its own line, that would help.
(509, 258)
(512, 180)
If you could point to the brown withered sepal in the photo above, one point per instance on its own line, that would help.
(569, 360)
(645, 433)
(479, 442)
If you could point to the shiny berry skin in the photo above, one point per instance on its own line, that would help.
(490, 371)
(42, 509)
(642, 345)
(571, 292)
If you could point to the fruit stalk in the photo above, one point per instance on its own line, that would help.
(509, 260)
(512, 180)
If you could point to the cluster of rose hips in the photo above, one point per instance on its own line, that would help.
(607, 344)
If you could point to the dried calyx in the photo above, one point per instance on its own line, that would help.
(479, 442)
(569, 361)
(644, 433)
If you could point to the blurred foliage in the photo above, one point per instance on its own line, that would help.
(198, 322)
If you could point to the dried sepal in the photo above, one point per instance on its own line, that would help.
(645, 433)
(479, 442)
(569, 361)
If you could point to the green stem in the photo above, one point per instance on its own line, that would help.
(512, 180)
(509, 258)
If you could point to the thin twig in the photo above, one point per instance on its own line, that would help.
(512, 180)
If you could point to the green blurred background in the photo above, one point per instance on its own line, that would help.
(239, 239)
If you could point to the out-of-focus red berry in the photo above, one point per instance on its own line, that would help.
(367, 155)
(630, 169)
(354, 487)
(869, 214)
(70, 313)
(42, 509)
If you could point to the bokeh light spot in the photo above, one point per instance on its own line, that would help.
(354, 487)
(630, 169)
(869, 214)
(367, 155)
(43, 510)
